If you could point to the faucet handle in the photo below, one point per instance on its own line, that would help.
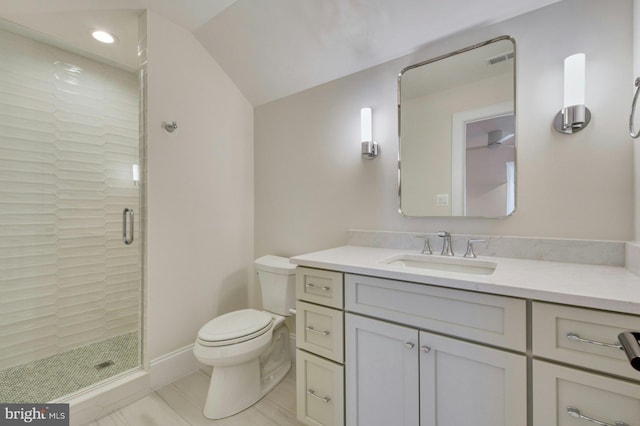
(470, 243)
(426, 249)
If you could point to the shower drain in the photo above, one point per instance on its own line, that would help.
(104, 364)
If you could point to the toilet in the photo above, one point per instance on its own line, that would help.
(248, 348)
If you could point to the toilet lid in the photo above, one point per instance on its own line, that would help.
(231, 327)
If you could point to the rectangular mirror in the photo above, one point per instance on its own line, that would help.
(456, 115)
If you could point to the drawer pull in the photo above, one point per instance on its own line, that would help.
(425, 349)
(313, 330)
(574, 412)
(324, 399)
(575, 338)
(317, 287)
(631, 345)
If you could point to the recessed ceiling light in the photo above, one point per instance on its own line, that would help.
(103, 37)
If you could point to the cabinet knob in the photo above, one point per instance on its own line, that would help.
(425, 349)
(409, 345)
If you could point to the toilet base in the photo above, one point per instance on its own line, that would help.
(232, 389)
(237, 387)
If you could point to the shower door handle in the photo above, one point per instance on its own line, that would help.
(127, 216)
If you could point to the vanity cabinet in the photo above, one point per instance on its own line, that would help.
(319, 347)
(378, 351)
(401, 375)
(582, 339)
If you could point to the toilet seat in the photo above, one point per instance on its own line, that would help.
(235, 327)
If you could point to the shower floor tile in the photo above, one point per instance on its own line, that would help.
(53, 377)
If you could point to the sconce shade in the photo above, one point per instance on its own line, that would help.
(369, 147)
(135, 171)
(574, 80)
(365, 125)
(574, 115)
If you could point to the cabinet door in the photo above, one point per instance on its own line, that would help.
(381, 373)
(467, 384)
(568, 397)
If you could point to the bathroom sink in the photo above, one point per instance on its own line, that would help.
(437, 263)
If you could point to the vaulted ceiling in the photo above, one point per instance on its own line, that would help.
(274, 48)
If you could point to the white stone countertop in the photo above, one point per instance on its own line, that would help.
(609, 288)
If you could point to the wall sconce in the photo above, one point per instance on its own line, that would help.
(135, 172)
(574, 116)
(370, 147)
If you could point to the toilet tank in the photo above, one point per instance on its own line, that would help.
(278, 283)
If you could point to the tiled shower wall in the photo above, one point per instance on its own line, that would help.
(68, 140)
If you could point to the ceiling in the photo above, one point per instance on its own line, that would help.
(272, 48)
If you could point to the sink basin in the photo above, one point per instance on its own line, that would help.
(437, 263)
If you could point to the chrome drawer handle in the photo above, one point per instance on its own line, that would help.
(313, 330)
(317, 287)
(425, 349)
(575, 338)
(574, 412)
(324, 399)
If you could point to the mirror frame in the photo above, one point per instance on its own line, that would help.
(515, 160)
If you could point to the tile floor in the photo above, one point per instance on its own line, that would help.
(180, 404)
(61, 374)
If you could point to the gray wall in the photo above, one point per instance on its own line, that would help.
(311, 184)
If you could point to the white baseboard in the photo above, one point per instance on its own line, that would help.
(173, 366)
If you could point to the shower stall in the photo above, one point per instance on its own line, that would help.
(70, 219)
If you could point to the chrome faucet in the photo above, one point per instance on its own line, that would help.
(446, 245)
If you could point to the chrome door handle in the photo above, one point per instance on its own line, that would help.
(576, 338)
(634, 134)
(317, 287)
(409, 345)
(324, 399)
(425, 349)
(323, 332)
(127, 216)
(575, 413)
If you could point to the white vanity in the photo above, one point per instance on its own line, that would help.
(531, 343)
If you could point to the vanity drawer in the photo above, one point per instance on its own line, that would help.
(486, 318)
(559, 391)
(320, 330)
(320, 390)
(319, 286)
(552, 324)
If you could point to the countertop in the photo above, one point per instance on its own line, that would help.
(609, 288)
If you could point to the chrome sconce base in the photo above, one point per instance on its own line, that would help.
(370, 150)
(572, 119)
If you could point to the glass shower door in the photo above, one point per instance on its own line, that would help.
(70, 287)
